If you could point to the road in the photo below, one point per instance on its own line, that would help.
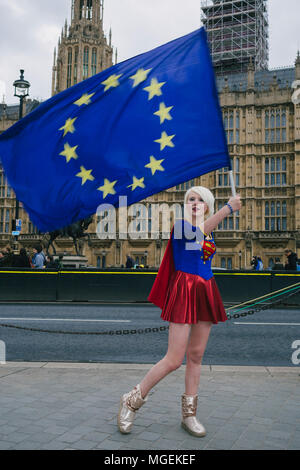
(263, 339)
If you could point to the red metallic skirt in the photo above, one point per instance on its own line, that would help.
(190, 299)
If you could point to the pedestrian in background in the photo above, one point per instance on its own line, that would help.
(59, 262)
(129, 262)
(278, 265)
(38, 259)
(291, 264)
(21, 260)
(50, 263)
(257, 263)
(2, 258)
(7, 258)
(260, 266)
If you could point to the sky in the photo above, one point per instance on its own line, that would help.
(29, 31)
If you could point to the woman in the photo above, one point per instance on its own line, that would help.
(186, 291)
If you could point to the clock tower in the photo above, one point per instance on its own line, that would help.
(83, 49)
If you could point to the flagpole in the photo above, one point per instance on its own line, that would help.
(231, 179)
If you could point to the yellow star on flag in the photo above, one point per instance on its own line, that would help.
(107, 188)
(85, 99)
(85, 175)
(136, 183)
(155, 165)
(164, 112)
(69, 152)
(165, 140)
(154, 89)
(69, 126)
(111, 82)
(140, 76)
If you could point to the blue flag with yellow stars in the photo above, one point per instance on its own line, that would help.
(135, 129)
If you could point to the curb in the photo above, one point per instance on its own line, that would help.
(267, 370)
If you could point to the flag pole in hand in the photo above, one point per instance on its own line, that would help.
(231, 179)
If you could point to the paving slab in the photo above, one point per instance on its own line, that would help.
(56, 405)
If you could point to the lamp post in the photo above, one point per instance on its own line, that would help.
(21, 91)
(240, 257)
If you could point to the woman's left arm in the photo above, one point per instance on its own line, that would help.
(234, 204)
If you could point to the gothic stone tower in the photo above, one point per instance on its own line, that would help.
(83, 50)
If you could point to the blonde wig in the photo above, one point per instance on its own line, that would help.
(206, 195)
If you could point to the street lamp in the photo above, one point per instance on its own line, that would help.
(21, 91)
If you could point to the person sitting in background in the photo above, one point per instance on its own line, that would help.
(278, 265)
(257, 263)
(291, 264)
(260, 264)
(129, 262)
(50, 263)
(2, 257)
(59, 262)
(22, 260)
(38, 259)
(6, 260)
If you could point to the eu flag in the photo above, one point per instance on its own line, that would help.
(135, 129)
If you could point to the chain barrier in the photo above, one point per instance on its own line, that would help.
(151, 330)
(107, 333)
(264, 307)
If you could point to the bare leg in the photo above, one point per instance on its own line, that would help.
(195, 351)
(178, 341)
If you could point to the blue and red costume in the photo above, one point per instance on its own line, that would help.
(185, 288)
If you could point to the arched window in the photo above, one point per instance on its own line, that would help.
(275, 171)
(69, 69)
(94, 61)
(276, 216)
(1, 220)
(76, 65)
(237, 127)
(81, 14)
(86, 63)
(267, 117)
(275, 126)
(7, 220)
(89, 9)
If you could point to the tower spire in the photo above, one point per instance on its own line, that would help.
(82, 50)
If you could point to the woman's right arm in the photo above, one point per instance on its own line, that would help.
(212, 222)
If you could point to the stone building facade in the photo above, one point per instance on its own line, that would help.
(262, 122)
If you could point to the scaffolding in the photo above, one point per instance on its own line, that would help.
(238, 34)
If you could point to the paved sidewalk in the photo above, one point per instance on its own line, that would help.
(74, 406)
